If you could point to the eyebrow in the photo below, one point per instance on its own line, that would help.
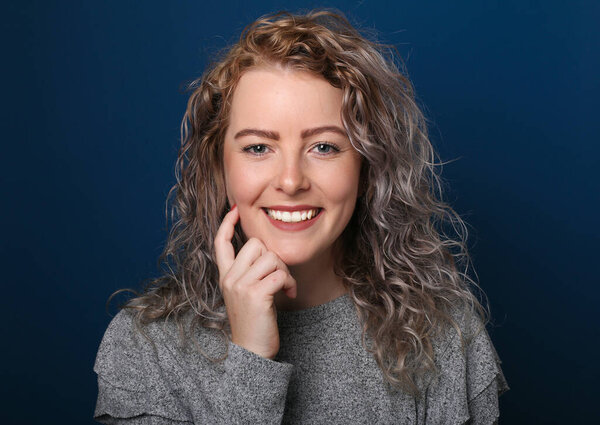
(273, 135)
(265, 134)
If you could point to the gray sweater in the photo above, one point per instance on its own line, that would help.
(322, 374)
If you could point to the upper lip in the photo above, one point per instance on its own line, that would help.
(292, 208)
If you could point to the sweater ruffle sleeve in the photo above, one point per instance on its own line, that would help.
(470, 381)
(140, 380)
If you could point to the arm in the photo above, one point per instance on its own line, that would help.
(143, 382)
(483, 409)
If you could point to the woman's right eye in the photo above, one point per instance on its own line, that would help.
(257, 150)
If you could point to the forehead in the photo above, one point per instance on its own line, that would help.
(268, 96)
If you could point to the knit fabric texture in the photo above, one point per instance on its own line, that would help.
(321, 375)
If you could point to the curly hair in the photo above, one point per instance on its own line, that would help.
(403, 272)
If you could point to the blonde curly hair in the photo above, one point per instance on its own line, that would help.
(404, 274)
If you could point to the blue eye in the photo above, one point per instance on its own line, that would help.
(326, 148)
(257, 150)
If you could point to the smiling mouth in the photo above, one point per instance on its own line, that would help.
(293, 216)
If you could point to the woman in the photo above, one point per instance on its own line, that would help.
(328, 291)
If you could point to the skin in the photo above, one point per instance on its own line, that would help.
(279, 269)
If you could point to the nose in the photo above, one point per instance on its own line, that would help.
(292, 176)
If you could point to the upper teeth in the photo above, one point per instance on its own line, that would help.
(292, 217)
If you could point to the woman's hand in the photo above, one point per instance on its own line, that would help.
(249, 283)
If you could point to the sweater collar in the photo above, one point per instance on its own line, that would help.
(298, 318)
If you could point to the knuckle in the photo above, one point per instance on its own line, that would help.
(227, 282)
(271, 258)
(278, 275)
(238, 286)
(255, 242)
(237, 291)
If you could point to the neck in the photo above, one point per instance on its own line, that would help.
(317, 284)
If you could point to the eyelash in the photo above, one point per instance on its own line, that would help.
(333, 146)
(248, 149)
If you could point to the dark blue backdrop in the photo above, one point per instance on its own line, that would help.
(91, 108)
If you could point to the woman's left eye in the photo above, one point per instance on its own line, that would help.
(326, 148)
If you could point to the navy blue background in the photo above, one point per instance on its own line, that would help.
(92, 102)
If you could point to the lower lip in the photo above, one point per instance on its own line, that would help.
(301, 225)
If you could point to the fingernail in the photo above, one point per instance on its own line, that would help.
(232, 207)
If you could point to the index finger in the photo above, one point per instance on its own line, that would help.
(224, 252)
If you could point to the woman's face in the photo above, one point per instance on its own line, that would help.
(287, 157)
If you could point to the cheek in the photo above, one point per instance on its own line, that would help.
(240, 185)
(244, 187)
(342, 186)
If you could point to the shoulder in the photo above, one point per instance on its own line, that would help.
(467, 328)
(468, 352)
(126, 352)
(124, 329)
(130, 353)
